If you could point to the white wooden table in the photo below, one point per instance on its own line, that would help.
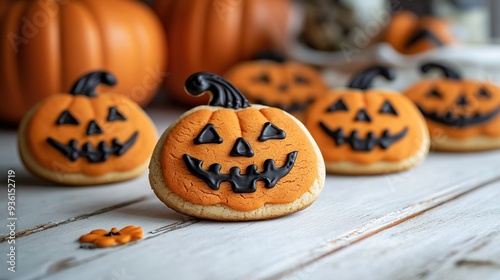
(440, 220)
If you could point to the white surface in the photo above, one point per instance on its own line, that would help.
(370, 226)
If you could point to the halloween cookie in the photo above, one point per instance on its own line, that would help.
(235, 161)
(80, 138)
(462, 115)
(368, 131)
(410, 34)
(290, 86)
(103, 238)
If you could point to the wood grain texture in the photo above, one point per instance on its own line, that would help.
(459, 240)
(349, 210)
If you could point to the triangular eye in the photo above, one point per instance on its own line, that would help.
(339, 106)
(484, 94)
(270, 131)
(115, 115)
(208, 135)
(67, 118)
(387, 108)
(435, 93)
(263, 78)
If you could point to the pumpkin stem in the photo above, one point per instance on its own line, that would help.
(364, 79)
(223, 93)
(448, 72)
(87, 84)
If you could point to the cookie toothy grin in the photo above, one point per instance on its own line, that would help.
(459, 120)
(93, 155)
(366, 144)
(240, 183)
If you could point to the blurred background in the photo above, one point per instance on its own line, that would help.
(153, 48)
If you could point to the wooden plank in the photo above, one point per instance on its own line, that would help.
(460, 240)
(42, 204)
(359, 205)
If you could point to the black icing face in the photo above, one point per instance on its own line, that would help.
(240, 183)
(423, 35)
(94, 154)
(461, 110)
(348, 134)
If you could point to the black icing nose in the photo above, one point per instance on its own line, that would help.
(462, 101)
(242, 148)
(93, 128)
(362, 116)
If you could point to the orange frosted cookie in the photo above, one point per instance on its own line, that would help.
(368, 131)
(80, 138)
(410, 34)
(462, 115)
(235, 161)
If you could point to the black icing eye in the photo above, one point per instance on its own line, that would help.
(339, 106)
(67, 118)
(115, 115)
(387, 108)
(208, 135)
(263, 78)
(270, 131)
(323, 18)
(484, 94)
(435, 94)
(301, 80)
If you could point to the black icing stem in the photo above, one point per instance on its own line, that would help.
(87, 84)
(223, 93)
(364, 79)
(448, 72)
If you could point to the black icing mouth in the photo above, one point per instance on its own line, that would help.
(94, 155)
(367, 144)
(293, 107)
(240, 183)
(459, 120)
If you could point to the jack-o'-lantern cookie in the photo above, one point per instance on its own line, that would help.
(462, 115)
(290, 86)
(82, 138)
(235, 161)
(368, 131)
(410, 34)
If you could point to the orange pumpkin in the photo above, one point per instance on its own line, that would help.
(462, 115)
(235, 161)
(368, 131)
(290, 86)
(410, 34)
(82, 138)
(47, 45)
(213, 35)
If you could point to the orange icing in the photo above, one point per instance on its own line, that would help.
(43, 125)
(103, 238)
(405, 25)
(245, 77)
(451, 90)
